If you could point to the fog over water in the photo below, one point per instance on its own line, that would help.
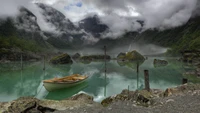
(148, 49)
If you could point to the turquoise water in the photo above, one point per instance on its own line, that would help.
(15, 83)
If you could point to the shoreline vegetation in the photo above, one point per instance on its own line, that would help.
(171, 100)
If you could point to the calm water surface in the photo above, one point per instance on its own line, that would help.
(15, 83)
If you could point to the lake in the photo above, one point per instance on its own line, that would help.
(15, 83)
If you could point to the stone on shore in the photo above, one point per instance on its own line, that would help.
(30, 104)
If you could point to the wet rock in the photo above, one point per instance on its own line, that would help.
(61, 59)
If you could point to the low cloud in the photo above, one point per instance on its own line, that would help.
(10, 8)
(119, 25)
(120, 15)
(160, 14)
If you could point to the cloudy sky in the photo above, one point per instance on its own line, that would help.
(119, 15)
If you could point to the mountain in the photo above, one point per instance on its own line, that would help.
(57, 19)
(27, 27)
(178, 39)
(93, 25)
(24, 33)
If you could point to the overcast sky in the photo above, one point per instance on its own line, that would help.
(119, 15)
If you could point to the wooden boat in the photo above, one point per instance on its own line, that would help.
(66, 92)
(64, 82)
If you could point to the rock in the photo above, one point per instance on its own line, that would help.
(131, 56)
(107, 101)
(76, 56)
(27, 104)
(31, 105)
(61, 59)
(143, 96)
(181, 89)
(158, 63)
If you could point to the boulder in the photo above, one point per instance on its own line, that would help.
(131, 56)
(26, 105)
(142, 97)
(61, 59)
(33, 105)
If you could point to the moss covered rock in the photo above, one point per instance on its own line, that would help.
(130, 56)
(61, 59)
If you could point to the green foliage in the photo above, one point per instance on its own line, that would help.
(10, 39)
(15, 42)
(186, 37)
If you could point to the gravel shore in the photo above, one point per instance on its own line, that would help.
(182, 102)
(180, 99)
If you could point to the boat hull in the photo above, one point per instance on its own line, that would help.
(55, 86)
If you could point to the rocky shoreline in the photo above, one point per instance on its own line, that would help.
(184, 98)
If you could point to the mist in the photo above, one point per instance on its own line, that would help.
(145, 49)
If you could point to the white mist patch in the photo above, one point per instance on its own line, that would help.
(118, 25)
(148, 49)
